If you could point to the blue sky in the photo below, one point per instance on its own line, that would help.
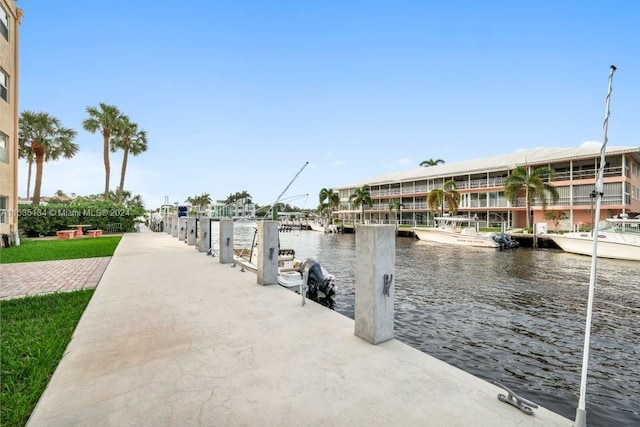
(238, 95)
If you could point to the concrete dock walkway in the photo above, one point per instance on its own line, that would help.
(172, 337)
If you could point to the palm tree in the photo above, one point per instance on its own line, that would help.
(431, 162)
(107, 120)
(25, 152)
(395, 205)
(245, 197)
(534, 185)
(48, 140)
(130, 140)
(332, 201)
(447, 194)
(200, 201)
(361, 197)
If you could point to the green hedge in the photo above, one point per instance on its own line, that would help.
(46, 220)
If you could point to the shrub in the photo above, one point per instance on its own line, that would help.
(46, 220)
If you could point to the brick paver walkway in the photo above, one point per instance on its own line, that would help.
(45, 277)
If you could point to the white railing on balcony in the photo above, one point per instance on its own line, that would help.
(587, 173)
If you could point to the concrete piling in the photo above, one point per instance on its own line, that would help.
(191, 230)
(226, 241)
(267, 262)
(174, 226)
(182, 228)
(204, 238)
(375, 289)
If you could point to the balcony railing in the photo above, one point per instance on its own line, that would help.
(609, 172)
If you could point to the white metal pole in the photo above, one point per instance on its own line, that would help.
(581, 413)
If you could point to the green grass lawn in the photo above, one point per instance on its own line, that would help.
(35, 332)
(50, 250)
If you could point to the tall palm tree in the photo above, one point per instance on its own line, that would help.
(361, 197)
(130, 140)
(48, 140)
(431, 162)
(395, 205)
(534, 185)
(107, 119)
(447, 194)
(332, 200)
(245, 197)
(324, 194)
(200, 201)
(25, 152)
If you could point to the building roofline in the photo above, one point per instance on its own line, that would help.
(537, 156)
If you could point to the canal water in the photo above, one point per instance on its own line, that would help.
(514, 316)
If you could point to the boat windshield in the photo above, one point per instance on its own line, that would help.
(627, 226)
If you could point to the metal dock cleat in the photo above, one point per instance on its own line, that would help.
(515, 400)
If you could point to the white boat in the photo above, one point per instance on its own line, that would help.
(317, 226)
(462, 231)
(619, 238)
(291, 272)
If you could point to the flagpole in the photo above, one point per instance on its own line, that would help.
(581, 413)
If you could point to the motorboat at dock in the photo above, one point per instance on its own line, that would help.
(293, 274)
(463, 231)
(618, 239)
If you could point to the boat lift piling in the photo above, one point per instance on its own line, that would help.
(226, 241)
(191, 231)
(168, 223)
(204, 242)
(267, 261)
(182, 228)
(174, 225)
(374, 290)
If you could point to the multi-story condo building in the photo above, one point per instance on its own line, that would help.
(481, 187)
(220, 209)
(10, 17)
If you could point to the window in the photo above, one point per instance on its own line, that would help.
(634, 168)
(4, 86)
(3, 147)
(4, 23)
(3, 210)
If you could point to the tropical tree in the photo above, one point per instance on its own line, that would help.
(431, 162)
(533, 184)
(107, 120)
(202, 200)
(48, 140)
(323, 209)
(361, 197)
(25, 152)
(447, 194)
(556, 217)
(332, 200)
(394, 205)
(130, 140)
(244, 197)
